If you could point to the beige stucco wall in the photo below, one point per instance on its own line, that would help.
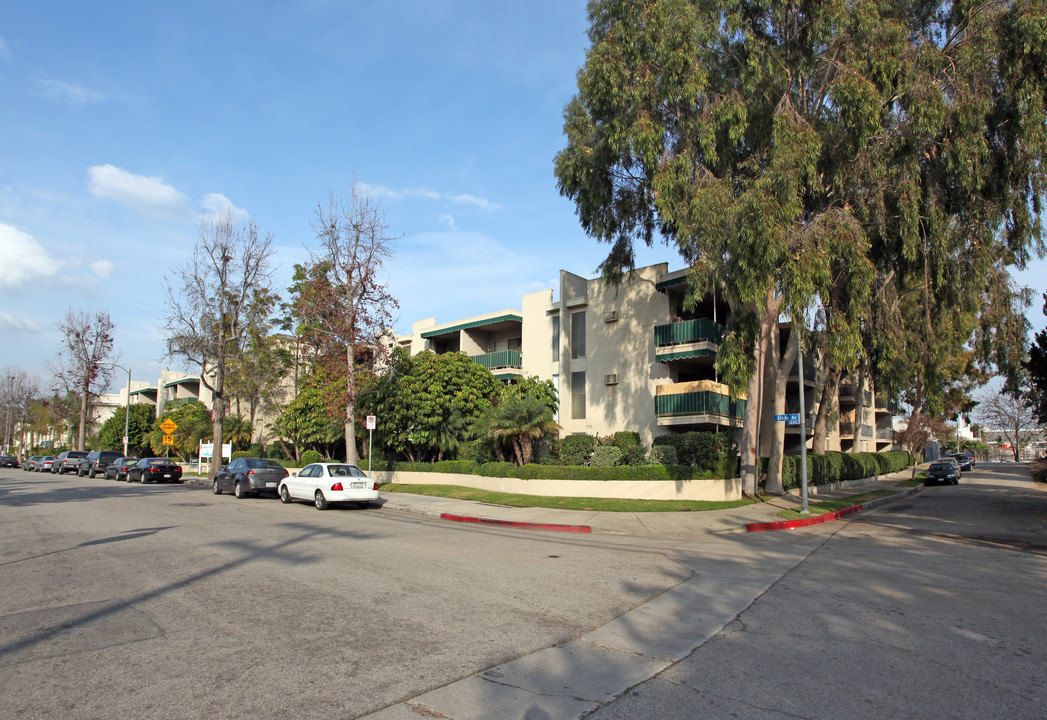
(710, 490)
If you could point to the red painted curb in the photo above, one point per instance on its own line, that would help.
(515, 524)
(806, 522)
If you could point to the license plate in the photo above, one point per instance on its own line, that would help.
(167, 475)
(358, 485)
(269, 484)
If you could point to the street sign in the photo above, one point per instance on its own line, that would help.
(168, 426)
(169, 440)
(790, 419)
(370, 423)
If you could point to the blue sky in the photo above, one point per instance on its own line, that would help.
(122, 121)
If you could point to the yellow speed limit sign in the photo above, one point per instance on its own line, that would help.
(169, 440)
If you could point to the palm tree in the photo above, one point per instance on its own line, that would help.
(521, 420)
(237, 431)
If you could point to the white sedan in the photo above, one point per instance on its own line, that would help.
(326, 483)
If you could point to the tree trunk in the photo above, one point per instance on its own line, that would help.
(821, 423)
(82, 436)
(750, 456)
(781, 373)
(859, 409)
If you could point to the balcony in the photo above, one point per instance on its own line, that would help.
(687, 339)
(847, 429)
(504, 363)
(701, 402)
(884, 434)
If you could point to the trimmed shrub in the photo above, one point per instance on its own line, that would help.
(791, 472)
(460, 467)
(309, 457)
(576, 449)
(498, 469)
(708, 451)
(663, 455)
(633, 452)
(607, 456)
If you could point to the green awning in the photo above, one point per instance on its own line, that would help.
(670, 282)
(511, 317)
(139, 391)
(183, 381)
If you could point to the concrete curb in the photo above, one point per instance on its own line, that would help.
(516, 524)
(830, 516)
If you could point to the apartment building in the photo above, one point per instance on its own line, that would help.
(632, 357)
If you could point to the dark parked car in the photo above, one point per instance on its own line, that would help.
(68, 461)
(249, 476)
(154, 470)
(966, 460)
(30, 464)
(118, 470)
(8, 461)
(943, 473)
(97, 461)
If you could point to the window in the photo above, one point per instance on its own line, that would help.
(556, 338)
(578, 395)
(578, 335)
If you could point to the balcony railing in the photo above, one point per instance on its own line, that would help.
(884, 434)
(699, 403)
(847, 428)
(868, 431)
(688, 331)
(499, 360)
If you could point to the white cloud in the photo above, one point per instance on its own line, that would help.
(20, 324)
(147, 195)
(218, 204)
(448, 220)
(102, 268)
(78, 94)
(24, 258)
(479, 202)
(378, 192)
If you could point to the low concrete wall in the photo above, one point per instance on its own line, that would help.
(714, 490)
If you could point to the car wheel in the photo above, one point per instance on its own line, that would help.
(215, 489)
(238, 491)
(285, 497)
(320, 500)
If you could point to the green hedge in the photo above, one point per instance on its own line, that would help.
(836, 467)
(535, 471)
(576, 449)
(607, 456)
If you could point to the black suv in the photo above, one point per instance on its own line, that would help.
(68, 461)
(97, 461)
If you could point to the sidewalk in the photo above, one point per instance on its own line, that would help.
(636, 523)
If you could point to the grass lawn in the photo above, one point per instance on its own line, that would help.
(827, 506)
(562, 503)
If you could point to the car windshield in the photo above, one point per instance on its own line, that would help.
(345, 470)
(158, 461)
(263, 463)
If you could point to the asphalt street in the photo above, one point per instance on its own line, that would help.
(168, 602)
(929, 608)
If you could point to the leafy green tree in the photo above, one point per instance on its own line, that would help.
(895, 151)
(419, 396)
(141, 421)
(307, 422)
(194, 424)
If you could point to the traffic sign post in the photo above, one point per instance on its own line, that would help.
(370, 424)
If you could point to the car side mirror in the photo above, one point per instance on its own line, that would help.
(294, 474)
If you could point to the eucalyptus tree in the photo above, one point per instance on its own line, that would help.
(217, 300)
(794, 149)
